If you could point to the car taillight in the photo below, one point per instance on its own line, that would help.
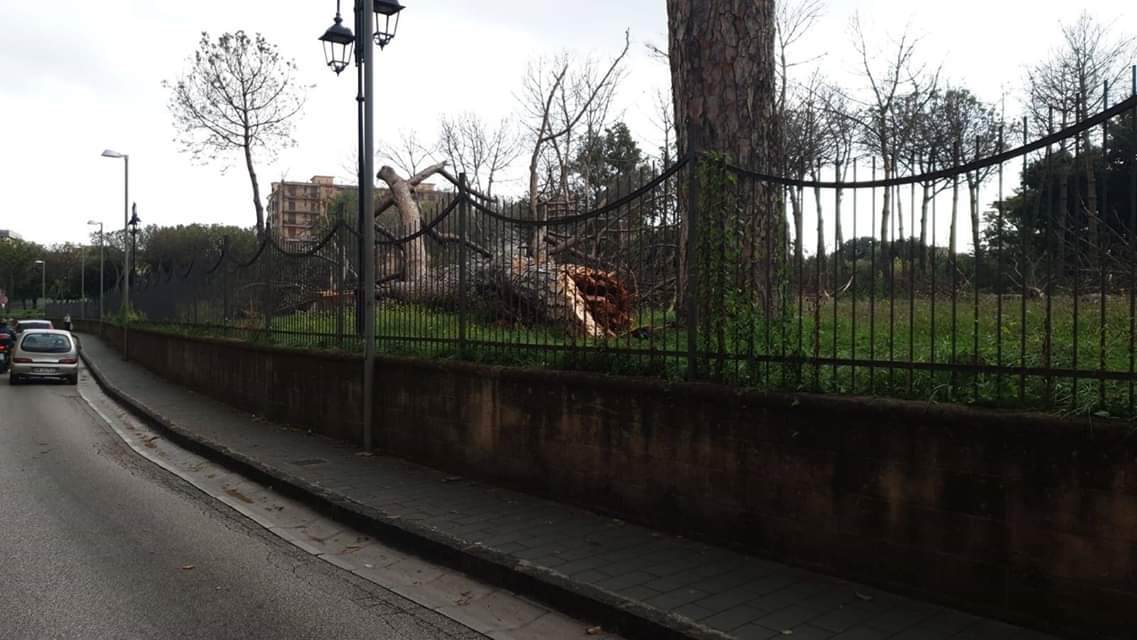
(68, 361)
(22, 360)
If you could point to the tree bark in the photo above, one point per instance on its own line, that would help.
(415, 264)
(256, 187)
(973, 202)
(723, 72)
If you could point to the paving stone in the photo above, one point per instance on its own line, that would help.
(786, 597)
(734, 617)
(790, 617)
(843, 618)
(626, 580)
(724, 600)
(755, 632)
(677, 598)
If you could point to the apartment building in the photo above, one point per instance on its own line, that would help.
(295, 209)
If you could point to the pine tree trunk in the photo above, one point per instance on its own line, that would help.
(722, 70)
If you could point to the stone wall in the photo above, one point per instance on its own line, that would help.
(1025, 516)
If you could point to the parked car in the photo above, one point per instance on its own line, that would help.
(45, 354)
(24, 325)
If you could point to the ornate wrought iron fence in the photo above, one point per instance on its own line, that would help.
(1010, 294)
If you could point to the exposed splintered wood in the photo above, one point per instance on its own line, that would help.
(588, 302)
(608, 300)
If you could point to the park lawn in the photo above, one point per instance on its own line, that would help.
(972, 331)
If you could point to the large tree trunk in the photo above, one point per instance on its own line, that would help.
(973, 202)
(415, 263)
(256, 187)
(723, 84)
(796, 206)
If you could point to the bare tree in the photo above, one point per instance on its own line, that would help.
(927, 149)
(480, 150)
(1069, 86)
(792, 20)
(880, 122)
(805, 148)
(559, 101)
(839, 130)
(557, 98)
(1069, 82)
(239, 94)
(408, 154)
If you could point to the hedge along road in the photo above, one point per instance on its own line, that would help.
(106, 531)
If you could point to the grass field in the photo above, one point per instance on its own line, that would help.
(792, 352)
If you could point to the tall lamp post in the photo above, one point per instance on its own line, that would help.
(377, 22)
(43, 283)
(101, 281)
(125, 254)
(82, 282)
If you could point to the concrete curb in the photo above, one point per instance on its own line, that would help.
(613, 612)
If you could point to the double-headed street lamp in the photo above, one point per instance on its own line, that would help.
(43, 283)
(135, 221)
(101, 280)
(377, 22)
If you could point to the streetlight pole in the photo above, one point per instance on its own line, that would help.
(338, 41)
(125, 231)
(82, 282)
(43, 284)
(101, 253)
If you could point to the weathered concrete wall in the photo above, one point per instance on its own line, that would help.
(313, 390)
(1028, 515)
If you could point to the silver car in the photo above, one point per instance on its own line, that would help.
(45, 354)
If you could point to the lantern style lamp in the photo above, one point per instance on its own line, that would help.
(386, 21)
(338, 42)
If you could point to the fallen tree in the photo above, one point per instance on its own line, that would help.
(512, 282)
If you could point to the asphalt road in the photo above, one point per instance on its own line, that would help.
(97, 542)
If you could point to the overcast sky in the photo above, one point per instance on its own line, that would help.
(77, 77)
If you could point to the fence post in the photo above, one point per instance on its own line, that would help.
(463, 213)
(266, 270)
(694, 157)
(341, 259)
(224, 281)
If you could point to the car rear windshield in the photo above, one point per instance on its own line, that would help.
(45, 343)
(24, 326)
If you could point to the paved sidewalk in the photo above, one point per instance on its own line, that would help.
(698, 590)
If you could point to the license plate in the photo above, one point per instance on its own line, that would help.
(42, 370)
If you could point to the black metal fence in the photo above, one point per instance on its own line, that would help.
(963, 284)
